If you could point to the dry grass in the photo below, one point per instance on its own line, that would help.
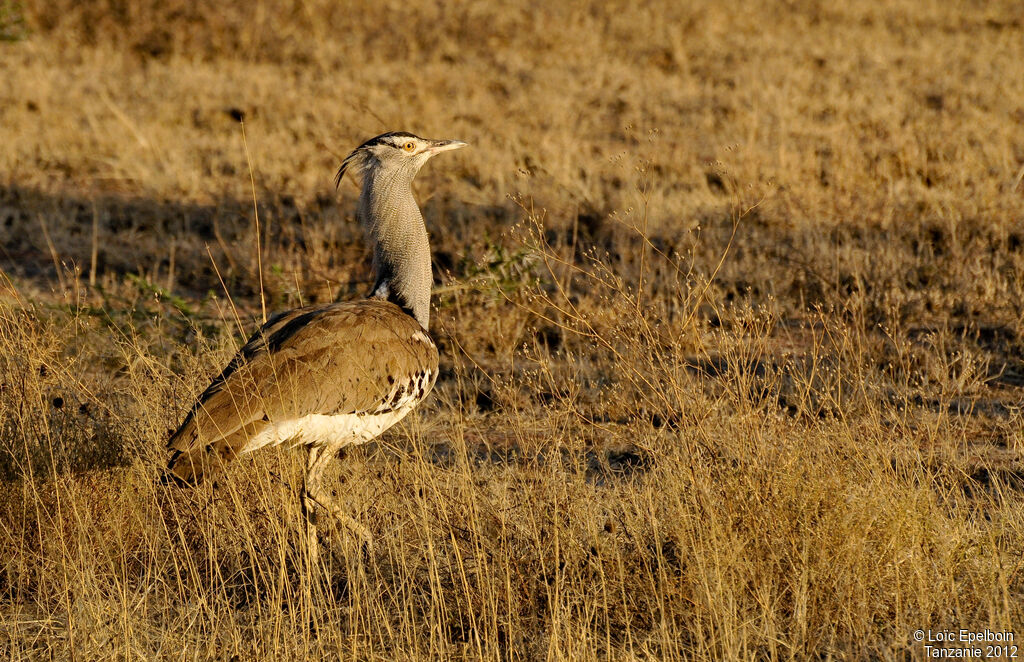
(729, 298)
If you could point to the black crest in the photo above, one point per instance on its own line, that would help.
(383, 139)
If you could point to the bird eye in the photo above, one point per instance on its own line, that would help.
(409, 146)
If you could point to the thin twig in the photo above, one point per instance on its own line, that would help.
(256, 212)
(238, 320)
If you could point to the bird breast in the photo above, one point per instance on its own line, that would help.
(332, 431)
(343, 429)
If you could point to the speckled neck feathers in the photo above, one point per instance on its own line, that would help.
(401, 252)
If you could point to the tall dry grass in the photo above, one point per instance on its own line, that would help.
(728, 299)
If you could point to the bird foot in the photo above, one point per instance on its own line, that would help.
(332, 550)
(342, 518)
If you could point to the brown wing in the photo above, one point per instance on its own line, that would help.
(337, 358)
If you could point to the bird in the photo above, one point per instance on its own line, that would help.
(328, 376)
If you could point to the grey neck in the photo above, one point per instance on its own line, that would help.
(401, 252)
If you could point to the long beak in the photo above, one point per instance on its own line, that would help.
(438, 146)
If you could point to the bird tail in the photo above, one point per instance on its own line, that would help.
(191, 468)
(189, 459)
(193, 462)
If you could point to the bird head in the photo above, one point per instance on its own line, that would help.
(394, 153)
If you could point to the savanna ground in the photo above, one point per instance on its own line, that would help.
(729, 299)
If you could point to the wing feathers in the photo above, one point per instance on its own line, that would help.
(337, 358)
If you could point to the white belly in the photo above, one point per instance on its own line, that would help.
(324, 430)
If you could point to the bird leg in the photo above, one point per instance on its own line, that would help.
(309, 506)
(312, 493)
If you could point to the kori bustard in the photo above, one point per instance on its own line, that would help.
(328, 376)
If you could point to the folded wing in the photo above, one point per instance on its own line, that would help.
(334, 359)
